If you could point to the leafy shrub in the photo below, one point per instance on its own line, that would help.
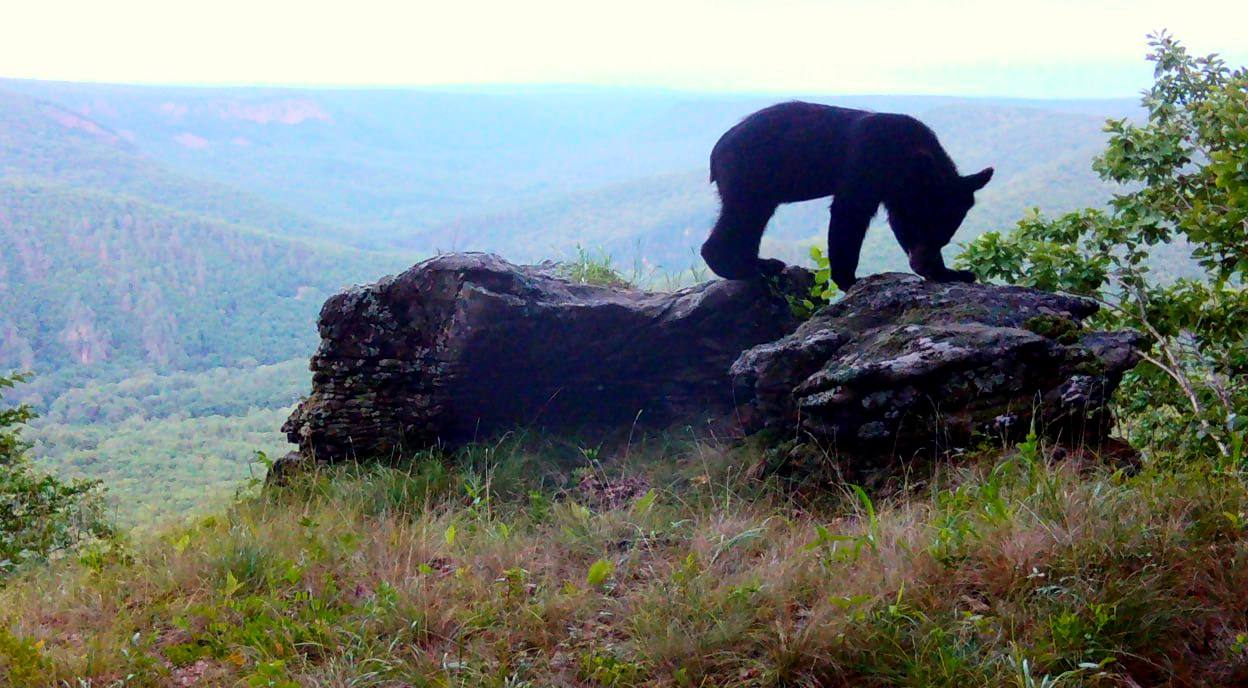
(1184, 177)
(40, 515)
(21, 660)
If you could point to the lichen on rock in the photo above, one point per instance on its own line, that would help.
(902, 365)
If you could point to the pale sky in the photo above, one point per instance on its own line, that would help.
(1080, 48)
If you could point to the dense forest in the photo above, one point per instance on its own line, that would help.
(95, 277)
(169, 443)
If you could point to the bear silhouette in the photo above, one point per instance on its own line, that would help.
(802, 151)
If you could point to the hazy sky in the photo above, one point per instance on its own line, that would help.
(1041, 49)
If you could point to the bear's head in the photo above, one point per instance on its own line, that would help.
(949, 203)
(931, 199)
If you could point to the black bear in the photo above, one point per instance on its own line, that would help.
(801, 151)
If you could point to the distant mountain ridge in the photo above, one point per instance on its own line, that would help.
(389, 167)
(44, 140)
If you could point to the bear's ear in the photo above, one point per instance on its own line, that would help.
(979, 180)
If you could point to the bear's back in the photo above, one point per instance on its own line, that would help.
(793, 136)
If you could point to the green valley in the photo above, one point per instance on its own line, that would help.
(163, 249)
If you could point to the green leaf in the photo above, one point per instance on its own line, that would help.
(599, 572)
(231, 585)
(644, 502)
(845, 602)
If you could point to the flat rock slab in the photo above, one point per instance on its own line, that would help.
(467, 346)
(902, 365)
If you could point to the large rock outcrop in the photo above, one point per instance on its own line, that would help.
(468, 345)
(901, 365)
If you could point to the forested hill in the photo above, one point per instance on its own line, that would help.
(45, 140)
(149, 303)
(110, 258)
(92, 278)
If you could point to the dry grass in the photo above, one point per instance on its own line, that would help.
(1005, 572)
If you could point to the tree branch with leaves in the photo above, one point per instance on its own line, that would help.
(1183, 176)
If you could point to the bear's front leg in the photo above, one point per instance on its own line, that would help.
(771, 267)
(929, 264)
(961, 276)
(847, 227)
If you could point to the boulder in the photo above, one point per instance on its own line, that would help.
(467, 346)
(902, 365)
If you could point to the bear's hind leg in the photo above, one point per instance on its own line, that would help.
(732, 249)
(846, 230)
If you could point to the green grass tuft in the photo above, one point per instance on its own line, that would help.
(599, 270)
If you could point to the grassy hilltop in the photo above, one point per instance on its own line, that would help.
(534, 565)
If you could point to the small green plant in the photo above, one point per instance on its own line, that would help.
(21, 660)
(1240, 646)
(270, 675)
(1079, 631)
(868, 510)
(539, 506)
(608, 671)
(1025, 674)
(644, 503)
(515, 582)
(598, 269)
(743, 595)
(599, 572)
(821, 292)
(846, 548)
